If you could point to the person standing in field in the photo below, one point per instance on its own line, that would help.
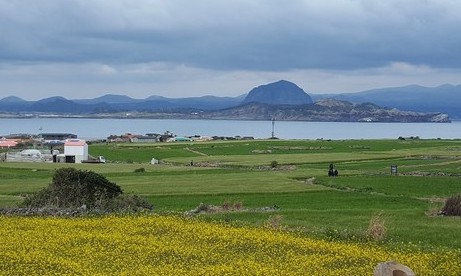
(332, 171)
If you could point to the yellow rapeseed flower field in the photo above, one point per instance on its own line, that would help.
(169, 245)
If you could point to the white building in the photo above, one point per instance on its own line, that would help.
(75, 150)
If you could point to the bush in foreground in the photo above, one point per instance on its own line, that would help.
(72, 188)
(452, 206)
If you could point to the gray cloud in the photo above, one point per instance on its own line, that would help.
(234, 34)
(265, 36)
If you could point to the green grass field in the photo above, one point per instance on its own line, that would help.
(239, 172)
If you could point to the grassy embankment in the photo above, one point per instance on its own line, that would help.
(240, 172)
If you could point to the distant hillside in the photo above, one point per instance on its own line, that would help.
(117, 103)
(13, 104)
(12, 99)
(62, 105)
(109, 99)
(159, 103)
(445, 98)
(327, 110)
(283, 99)
(280, 92)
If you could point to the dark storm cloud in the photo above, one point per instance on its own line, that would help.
(255, 35)
(224, 47)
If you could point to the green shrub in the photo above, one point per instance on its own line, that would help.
(202, 207)
(129, 203)
(226, 205)
(140, 170)
(452, 206)
(274, 164)
(72, 188)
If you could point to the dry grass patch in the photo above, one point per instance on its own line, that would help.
(377, 227)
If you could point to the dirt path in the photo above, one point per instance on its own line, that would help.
(438, 164)
(196, 152)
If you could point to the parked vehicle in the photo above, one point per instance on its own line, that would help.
(98, 159)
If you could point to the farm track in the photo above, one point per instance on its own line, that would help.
(196, 152)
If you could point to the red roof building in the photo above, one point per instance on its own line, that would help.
(7, 143)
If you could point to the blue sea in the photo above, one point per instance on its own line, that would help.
(102, 128)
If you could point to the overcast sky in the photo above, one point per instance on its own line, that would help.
(183, 48)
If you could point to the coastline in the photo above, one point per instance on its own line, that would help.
(198, 116)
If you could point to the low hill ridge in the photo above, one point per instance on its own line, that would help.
(326, 110)
(12, 99)
(444, 98)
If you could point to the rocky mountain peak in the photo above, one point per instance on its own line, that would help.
(278, 93)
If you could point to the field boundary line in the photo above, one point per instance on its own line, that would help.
(196, 152)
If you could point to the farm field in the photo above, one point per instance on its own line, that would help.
(283, 185)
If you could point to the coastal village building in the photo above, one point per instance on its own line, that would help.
(145, 139)
(7, 143)
(75, 150)
(182, 139)
(148, 138)
(13, 140)
(50, 138)
(127, 137)
(167, 137)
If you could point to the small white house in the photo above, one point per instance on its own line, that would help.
(75, 150)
